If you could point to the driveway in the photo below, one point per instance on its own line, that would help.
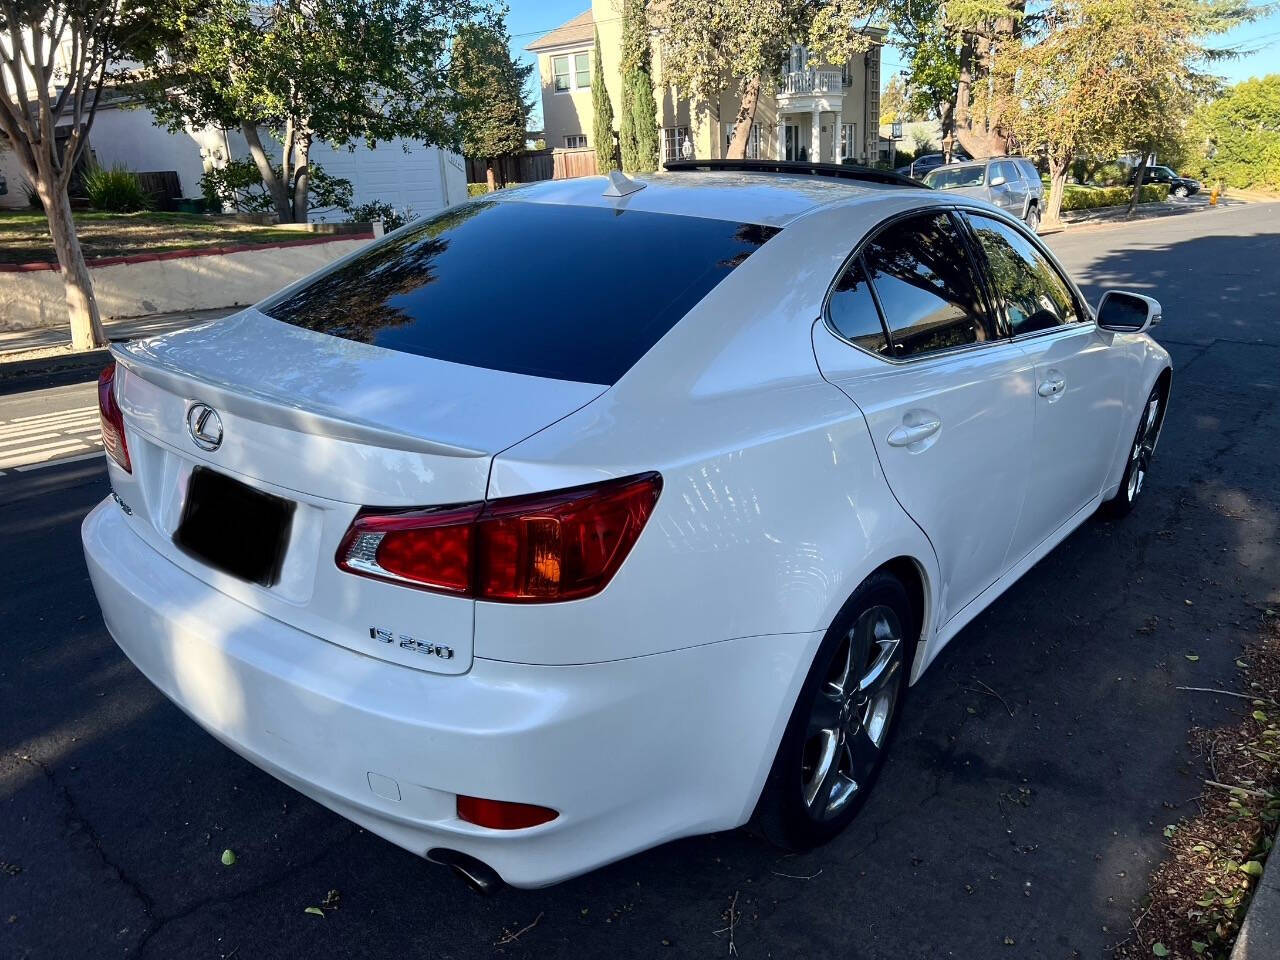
(1019, 816)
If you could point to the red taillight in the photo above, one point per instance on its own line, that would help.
(501, 815)
(112, 420)
(535, 549)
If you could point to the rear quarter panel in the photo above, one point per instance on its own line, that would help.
(773, 506)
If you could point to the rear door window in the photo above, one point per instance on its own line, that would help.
(567, 292)
(927, 286)
(1034, 297)
(852, 311)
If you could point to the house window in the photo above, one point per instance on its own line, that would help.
(848, 140)
(560, 70)
(582, 70)
(753, 141)
(575, 141)
(673, 141)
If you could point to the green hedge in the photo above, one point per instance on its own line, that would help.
(1086, 198)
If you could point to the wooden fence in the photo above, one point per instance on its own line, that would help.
(533, 165)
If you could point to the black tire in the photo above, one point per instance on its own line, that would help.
(785, 814)
(1033, 218)
(1138, 463)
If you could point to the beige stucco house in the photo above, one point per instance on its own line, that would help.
(819, 111)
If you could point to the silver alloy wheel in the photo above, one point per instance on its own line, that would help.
(1144, 446)
(849, 720)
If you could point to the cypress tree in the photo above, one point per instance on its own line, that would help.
(645, 110)
(638, 135)
(602, 107)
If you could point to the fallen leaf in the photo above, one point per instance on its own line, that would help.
(316, 910)
(1253, 868)
(1191, 656)
(1159, 949)
(228, 857)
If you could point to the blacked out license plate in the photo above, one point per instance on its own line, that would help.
(234, 528)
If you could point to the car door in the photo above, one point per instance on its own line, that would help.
(1079, 380)
(947, 400)
(1011, 193)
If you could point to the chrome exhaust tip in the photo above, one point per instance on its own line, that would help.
(477, 875)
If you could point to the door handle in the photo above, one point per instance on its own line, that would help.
(906, 435)
(1051, 387)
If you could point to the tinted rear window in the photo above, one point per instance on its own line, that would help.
(573, 293)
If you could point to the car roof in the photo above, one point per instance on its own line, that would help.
(771, 199)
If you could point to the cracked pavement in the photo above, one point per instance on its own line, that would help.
(1038, 828)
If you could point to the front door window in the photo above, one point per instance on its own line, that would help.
(791, 139)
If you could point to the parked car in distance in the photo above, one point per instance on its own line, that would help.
(921, 165)
(1178, 186)
(527, 589)
(1011, 183)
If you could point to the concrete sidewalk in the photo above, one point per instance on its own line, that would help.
(14, 344)
(1259, 938)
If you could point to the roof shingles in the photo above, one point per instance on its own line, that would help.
(581, 29)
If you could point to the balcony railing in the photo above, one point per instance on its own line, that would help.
(800, 82)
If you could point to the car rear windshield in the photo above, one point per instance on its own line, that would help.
(568, 292)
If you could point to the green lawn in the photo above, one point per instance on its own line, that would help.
(24, 234)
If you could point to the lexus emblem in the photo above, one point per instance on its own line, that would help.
(205, 426)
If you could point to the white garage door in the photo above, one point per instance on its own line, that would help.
(405, 175)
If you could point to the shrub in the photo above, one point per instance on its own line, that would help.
(477, 189)
(376, 210)
(239, 185)
(1087, 198)
(116, 190)
(32, 195)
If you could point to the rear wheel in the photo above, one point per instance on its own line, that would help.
(1033, 218)
(838, 734)
(1140, 454)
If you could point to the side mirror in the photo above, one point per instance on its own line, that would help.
(997, 181)
(1124, 312)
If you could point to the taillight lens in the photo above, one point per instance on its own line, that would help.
(502, 814)
(112, 420)
(534, 549)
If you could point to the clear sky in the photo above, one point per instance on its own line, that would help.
(1258, 43)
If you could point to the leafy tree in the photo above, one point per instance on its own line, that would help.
(747, 41)
(54, 60)
(495, 112)
(894, 101)
(645, 110)
(1238, 135)
(602, 110)
(920, 32)
(341, 71)
(638, 124)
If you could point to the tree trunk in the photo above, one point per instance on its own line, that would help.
(1137, 185)
(746, 117)
(278, 191)
(1057, 188)
(82, 308)
(302, 179)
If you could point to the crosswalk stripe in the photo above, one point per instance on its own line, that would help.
(31, 439)
(77, 412)
(47, 449)
(40, 427)
(53, 463)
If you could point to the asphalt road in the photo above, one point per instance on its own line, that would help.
(1019, 816)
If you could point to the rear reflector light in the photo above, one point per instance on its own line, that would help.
(501, 815)
(533, 549)
(112, 420)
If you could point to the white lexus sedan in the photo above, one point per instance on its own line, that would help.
(601, 512)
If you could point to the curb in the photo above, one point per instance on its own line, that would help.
(188, 252)
(1259, 937)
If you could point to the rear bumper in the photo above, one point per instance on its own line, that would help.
(630, 752)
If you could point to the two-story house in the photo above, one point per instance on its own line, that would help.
(819, 111)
